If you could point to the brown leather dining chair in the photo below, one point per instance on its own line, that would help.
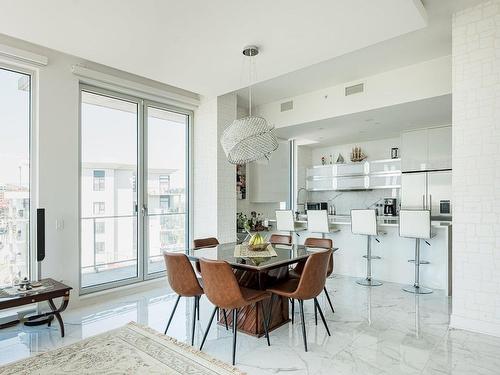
(200, 243)
(319, 243)
(280, 239)
(203, 243)
(308, 286)
(184, 282)
(223, 290)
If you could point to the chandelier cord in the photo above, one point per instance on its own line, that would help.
(250, 86)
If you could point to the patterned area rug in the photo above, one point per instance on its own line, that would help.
(131, 349)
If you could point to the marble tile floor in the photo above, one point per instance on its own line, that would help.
(380, 330)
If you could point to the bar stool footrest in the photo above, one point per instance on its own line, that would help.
(421, 262)
(372, 257)
(417, 289)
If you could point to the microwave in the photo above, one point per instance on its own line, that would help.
(315, 206)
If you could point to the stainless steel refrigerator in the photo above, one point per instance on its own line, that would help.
(427, 190)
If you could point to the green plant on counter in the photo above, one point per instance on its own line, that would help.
(242, 221)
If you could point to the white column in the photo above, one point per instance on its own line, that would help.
(476, 168)
(214, 179)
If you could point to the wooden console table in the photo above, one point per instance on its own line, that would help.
(48, 290)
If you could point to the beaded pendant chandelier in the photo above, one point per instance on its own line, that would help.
(249, 138)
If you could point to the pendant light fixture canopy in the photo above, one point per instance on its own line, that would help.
(250, 138)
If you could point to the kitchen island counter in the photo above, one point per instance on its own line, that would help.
(394, 250)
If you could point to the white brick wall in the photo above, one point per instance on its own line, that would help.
(204, 181)
(476, 168)
(226, 173)
(214, 179)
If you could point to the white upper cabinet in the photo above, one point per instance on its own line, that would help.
(426, 149)
(440, 148)
(414, 150)
(350, 169)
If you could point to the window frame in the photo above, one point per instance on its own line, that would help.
(34, 267)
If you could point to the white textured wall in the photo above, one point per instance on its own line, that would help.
(419, 81)
(375, 150)
(205, 169)
(226, 173)
(476, 168)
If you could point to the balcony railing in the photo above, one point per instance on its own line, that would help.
(119, 265)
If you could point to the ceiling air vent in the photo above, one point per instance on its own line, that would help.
(354, 89)
(287, 106)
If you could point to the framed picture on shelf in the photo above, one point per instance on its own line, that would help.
(241, 181)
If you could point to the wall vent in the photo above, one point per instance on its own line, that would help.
(287, 106)
(354, 89)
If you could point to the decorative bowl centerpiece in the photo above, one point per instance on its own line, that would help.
(257, 243)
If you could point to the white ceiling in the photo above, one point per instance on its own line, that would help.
(379, 123)
(196, 44)
(424, 44)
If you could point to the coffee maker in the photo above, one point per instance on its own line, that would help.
(390, 207)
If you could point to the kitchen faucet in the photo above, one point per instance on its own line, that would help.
(305, 202)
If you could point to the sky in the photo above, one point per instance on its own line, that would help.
(109, 135)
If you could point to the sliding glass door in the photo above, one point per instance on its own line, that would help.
(133, 187)
(15, 125)
(166, 177)
(108, 196)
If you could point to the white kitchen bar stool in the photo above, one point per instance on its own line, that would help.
(364, 222)
(416, 224)
(317, 222)
(285, 221)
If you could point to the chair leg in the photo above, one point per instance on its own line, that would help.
(225, 318)
(195, 309)
(172, 314)
(293, 309)
(315, 315)
(264, 321)
(329, 300)
(208, 327)
(198, 308)
(235, 330)
(322, 316)
(301, 304)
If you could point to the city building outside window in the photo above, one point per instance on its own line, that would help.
(164, 181)
(99, 208)
(100, 227)
(164, 202)
(99, 180)
(99, 247)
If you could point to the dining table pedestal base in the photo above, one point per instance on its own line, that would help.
(250, 318)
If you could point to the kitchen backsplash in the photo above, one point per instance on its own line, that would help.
(353, 199)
